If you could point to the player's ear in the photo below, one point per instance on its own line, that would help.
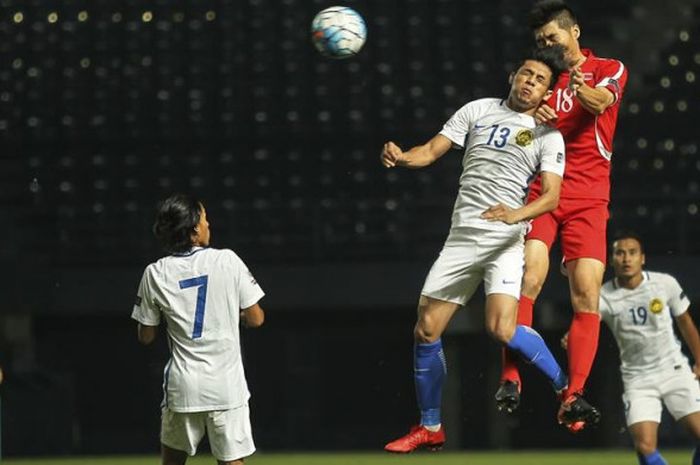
(547, 94)
(511, 77)
(576, 31)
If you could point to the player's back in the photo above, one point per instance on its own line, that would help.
(200, 295)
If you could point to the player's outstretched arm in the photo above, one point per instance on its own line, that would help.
(689, 331)
(417, 157)
(253, 316)
(147, 334)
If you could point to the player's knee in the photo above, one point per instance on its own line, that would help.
(425, 331)
(645, 446)
(585, 299)
(500, 331)
(532, 283)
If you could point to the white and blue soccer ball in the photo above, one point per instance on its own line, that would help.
(338, 32)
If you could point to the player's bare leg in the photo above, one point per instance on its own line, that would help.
(644, 435)
(429, 372)
(172, 456)
(536, 268)
(433, 317)
(692, 424)
(230, 462)
(585, 279)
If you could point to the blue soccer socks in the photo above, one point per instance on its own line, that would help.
(652, 459)
(429, 370)
(530, 345)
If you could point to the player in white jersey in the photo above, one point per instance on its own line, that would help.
(203, 294)
(503, 150)
(640, 307)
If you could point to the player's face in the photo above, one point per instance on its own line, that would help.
(553, 34)
(203, 233)
(628, 258)
(530, 85)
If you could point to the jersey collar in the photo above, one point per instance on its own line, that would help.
(645, 278)
(192, 251)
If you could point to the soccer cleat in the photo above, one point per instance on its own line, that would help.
(418, 437)
(508, 396)
(576, 413)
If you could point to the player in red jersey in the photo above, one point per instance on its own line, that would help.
(584, 107)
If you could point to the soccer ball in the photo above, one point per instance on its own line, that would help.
(338, 32)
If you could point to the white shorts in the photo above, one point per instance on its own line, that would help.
(229, 432)
(471, 255)
(678, 390)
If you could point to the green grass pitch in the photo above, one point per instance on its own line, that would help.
(594, 457)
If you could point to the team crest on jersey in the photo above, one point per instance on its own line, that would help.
(524, 137)
(656, 305)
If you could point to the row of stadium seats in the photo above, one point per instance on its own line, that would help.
(110, 109)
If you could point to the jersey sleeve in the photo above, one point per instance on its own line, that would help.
(678, 302)
(146, 310)
(552, 156)
(249, 291)
(612, 75)
(457, 127)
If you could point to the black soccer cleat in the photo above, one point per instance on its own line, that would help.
(508, 396)
(576, 413)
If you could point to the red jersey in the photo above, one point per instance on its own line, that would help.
(588, 137)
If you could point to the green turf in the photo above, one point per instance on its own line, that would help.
(596, 457)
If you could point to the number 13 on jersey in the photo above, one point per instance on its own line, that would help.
(200, 282)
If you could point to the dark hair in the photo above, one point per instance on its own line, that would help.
(176, 219)
(629, 235)
(552, 56)
(545, 11)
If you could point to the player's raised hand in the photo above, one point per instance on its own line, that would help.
(545, 114)
(391, 155)
(500, 212)
(575, 79)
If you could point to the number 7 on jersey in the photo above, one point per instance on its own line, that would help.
(201, 283)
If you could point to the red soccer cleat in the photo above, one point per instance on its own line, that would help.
(576, 414)
(418, 437)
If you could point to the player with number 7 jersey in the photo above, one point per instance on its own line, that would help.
(203, 295)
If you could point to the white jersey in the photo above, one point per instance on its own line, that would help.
(503, 153)
(641, 320)
(200, 295)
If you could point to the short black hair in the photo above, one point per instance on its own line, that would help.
(552, 56)
(176, 219)
(545, 11)
(629, 235)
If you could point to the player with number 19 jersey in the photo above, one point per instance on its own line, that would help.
(583, 208)
(200, 295)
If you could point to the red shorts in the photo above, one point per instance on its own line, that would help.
(581, 224)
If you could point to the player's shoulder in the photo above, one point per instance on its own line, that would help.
(483, 104)
(661, 278)
(599, 60)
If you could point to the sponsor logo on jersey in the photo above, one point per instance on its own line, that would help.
(587, 76)
(656, 305)
(524, 137)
